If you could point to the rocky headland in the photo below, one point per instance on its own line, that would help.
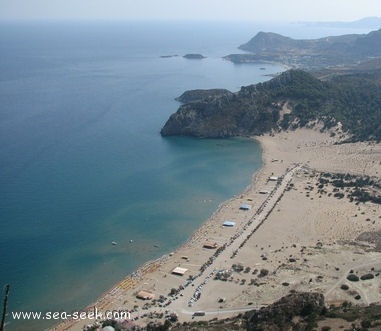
(310, 53)
(293, 99)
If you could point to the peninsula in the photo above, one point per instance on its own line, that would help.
(293, 99)
(310, 53)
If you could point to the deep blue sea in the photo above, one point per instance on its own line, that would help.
(82, 162)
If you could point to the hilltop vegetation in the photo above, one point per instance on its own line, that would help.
(296, 311)
(352, 100)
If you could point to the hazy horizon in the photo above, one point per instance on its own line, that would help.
(189, 10)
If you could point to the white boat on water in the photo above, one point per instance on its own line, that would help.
(114, 243)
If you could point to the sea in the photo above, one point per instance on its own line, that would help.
(82, 162)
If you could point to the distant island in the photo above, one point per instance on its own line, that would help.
(190, 56)
(194, 56)
(310, 53)
(168, 56)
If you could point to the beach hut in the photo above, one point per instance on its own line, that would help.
(210, 245)
(179, 271)
(145, 295)
(245, 206)
(228, 223)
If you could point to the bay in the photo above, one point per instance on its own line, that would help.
(82, 162)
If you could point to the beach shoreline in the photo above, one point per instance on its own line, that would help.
(301, 155)
(131, 279)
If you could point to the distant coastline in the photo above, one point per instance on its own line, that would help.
(310, 54)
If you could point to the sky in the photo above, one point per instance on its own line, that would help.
(244, 10)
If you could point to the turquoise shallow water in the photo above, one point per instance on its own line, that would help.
(82, 163)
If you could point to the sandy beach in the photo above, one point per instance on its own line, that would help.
(291, 232)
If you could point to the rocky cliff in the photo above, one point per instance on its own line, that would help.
(353, 100)
(247, 112)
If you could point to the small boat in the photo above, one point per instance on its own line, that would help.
(114, 243)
